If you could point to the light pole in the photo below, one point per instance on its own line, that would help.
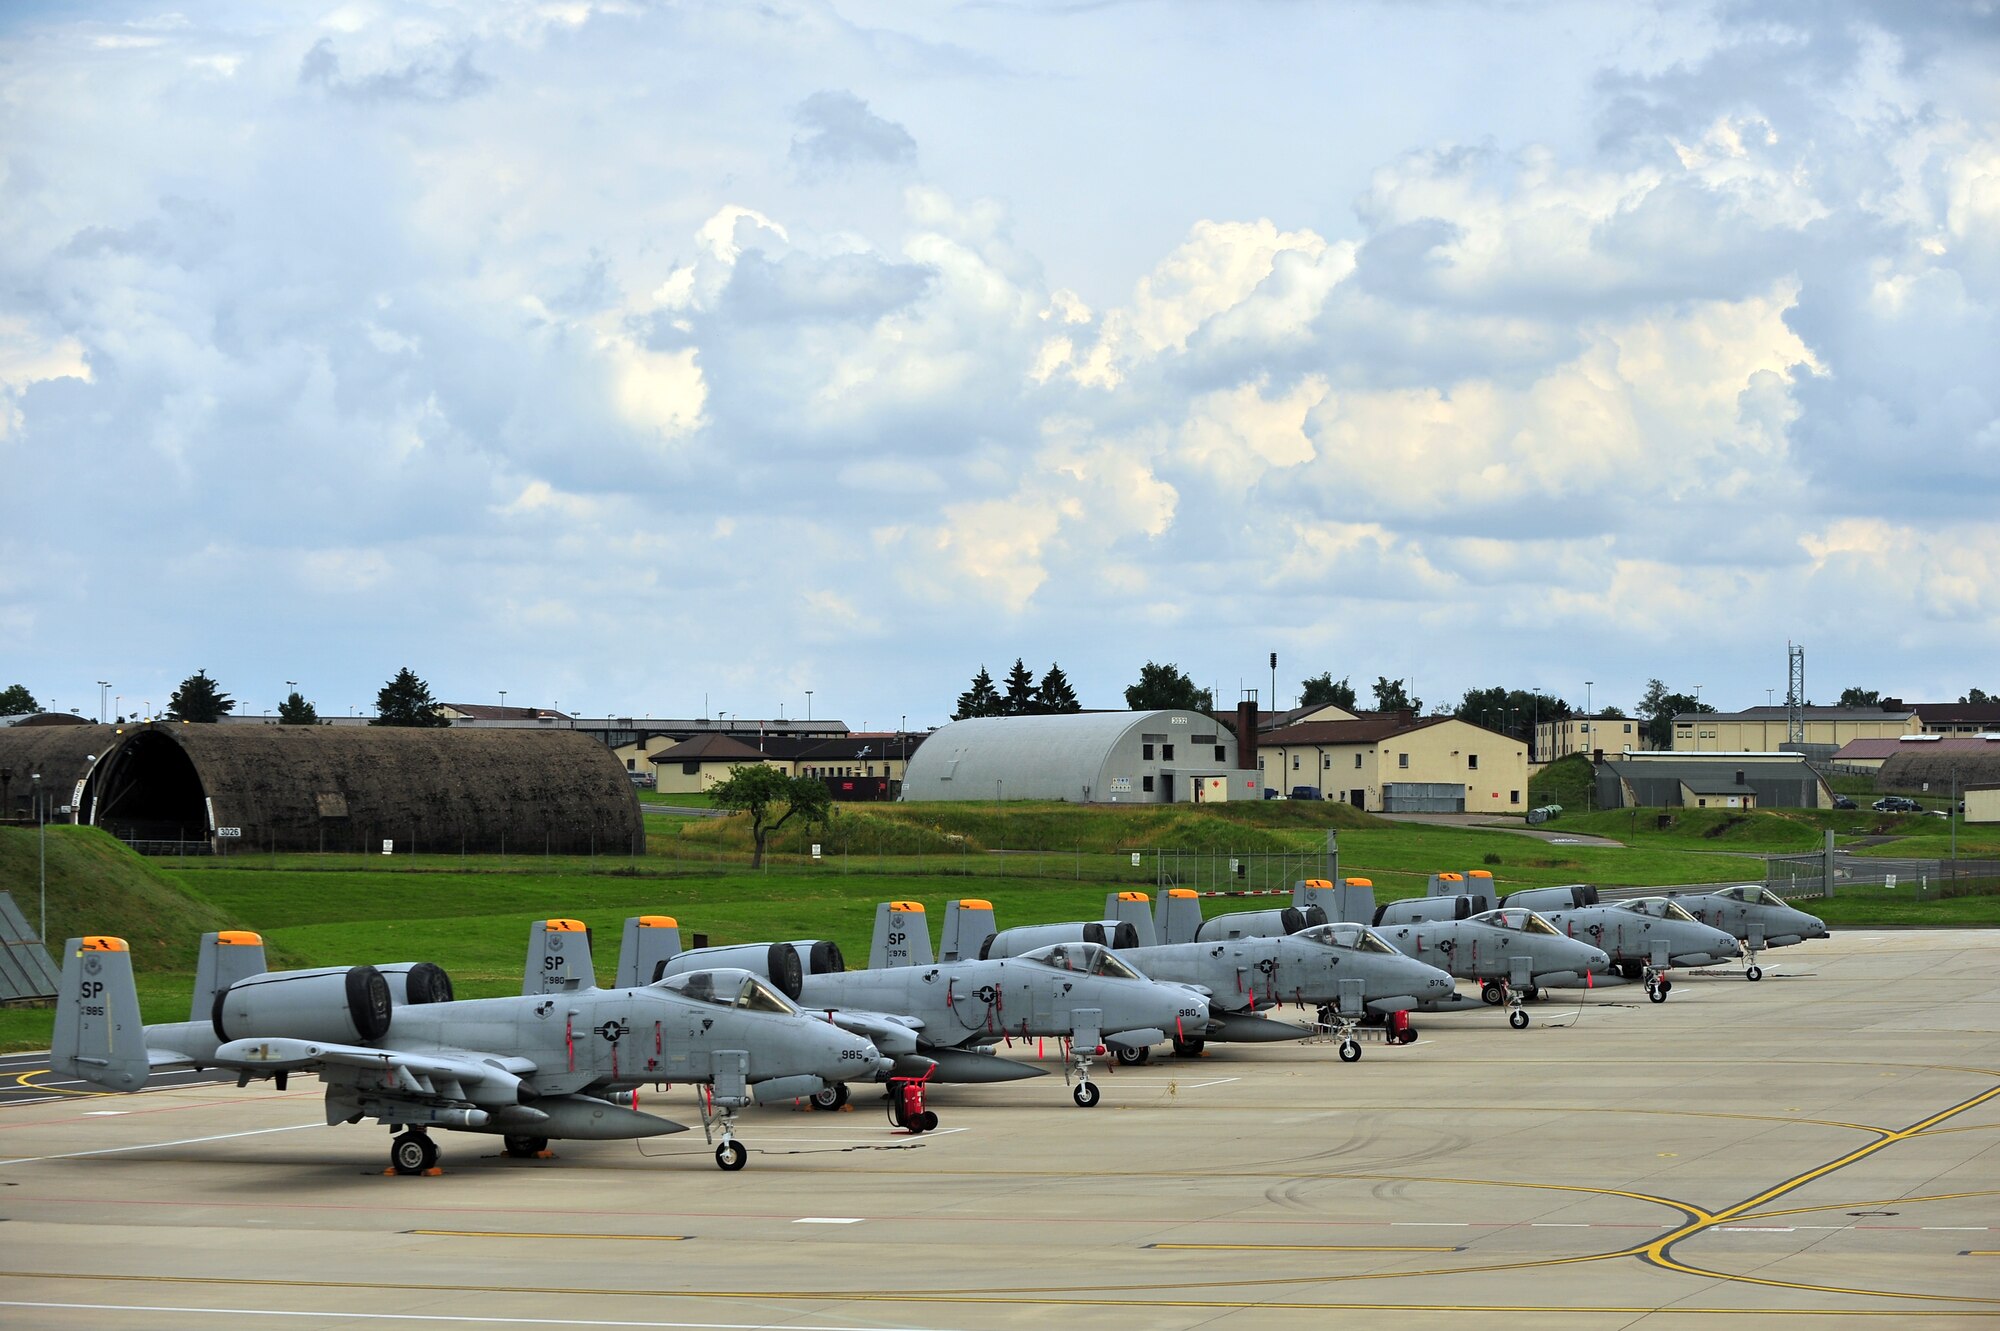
(103, 689)
(809, 704)
(1697, 718)
(42, 849)
(503, 697)
(118, 705)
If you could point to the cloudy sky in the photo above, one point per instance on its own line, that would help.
(642, 358)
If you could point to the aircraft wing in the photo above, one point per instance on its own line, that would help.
(394, 1069)
(890, 1032)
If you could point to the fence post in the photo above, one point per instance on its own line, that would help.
(1826, 866)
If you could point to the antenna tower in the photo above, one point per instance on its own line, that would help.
(1795, 692)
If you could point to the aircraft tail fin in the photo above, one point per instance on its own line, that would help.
(1135, 909)
(1177, 915)
(902, 936)
(98, 1034)
(968, 924)
(650, 942)
(226, 957)
(558, 958)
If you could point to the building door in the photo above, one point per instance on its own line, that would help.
(1166, 787)
(1358, 798)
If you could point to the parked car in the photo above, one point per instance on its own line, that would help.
(1842, 802)
(1305, 792)
(1896, 804)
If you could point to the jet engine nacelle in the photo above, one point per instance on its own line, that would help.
(777, 962)
(1260, 923)
(417, 982)
(1552, 898)
(1013, 942)
(337, 1005)
(1421, 910)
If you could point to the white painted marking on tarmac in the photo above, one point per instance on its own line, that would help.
(1973, 1229)
(154, 1146)
(1433, 1224)
(437, 1317)
(105, 1113)
(1224, 1081)
(828, 1220)
(1756, 1229)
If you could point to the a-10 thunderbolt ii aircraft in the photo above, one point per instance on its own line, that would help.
(1757, 916)
(1343, 970)
(1645, 938)
(1510, 952)
(392, 1044)
(953, 1013)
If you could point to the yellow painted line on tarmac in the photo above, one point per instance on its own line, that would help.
(1867, 1206)
(21, 1080)
(547, 1234)
(1303, 1247)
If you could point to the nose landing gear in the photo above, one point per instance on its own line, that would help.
(718, 1117)
(1333, 1024)
(1658, 986)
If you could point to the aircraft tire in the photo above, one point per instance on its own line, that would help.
(1518, 1019)
(1189, 1048)
(412, 1153)
(1490, 993)
(1350, 1051)
(831, 1097)
(730, 1156)
(1754, 973)
(1656, 992)
(1132, 1058)
(1086, 1095)
(525, 1148)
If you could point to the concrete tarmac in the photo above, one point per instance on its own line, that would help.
(1821, 1148)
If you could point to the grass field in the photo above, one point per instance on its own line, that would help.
(1034, 862)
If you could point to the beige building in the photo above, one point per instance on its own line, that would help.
(1588, 734)
(1396, 763)
(1982, 804)
(693, 765)
(1768, 729)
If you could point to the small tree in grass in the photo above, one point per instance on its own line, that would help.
(760, 790)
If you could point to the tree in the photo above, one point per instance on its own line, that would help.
(15, 700)
(1860, 698)
(1323, 690)
(296, 711)
(1392, 696)
(1055, 693)
(1021, 699)
(1977, 697)
(982, 699)
(198, 699)
(1512, 712)
(1164, 687)
(406, 701)
(1659, 706)
(758, 790)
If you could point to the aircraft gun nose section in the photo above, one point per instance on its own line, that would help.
(849, 1056)
(1599, 959)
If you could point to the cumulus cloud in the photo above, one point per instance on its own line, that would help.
(836, 130)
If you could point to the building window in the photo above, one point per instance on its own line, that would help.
(1146, 784)
(1513, 797)
(1166, 753)
(1357, 762)
(1146, 752)
(1219, 756)
(1403, 760)
(1295, 762)
(1628, 727)
(691, 769)
(631, 764)
(1471, 762)
(1325, 762)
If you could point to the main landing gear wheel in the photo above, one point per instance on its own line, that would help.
(1132, 1058)
(1518, 1019)
(1189, 1048)
(1491, 994)
(413, 1153)
(1350, 1051)
(831, 1097)
(1086, 1094)
(525, 1148)
(731, 1156)
(1754, 973)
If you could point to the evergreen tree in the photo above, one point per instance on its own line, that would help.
(1659, 706)
(1055, 692)
(982, 699)
(296, 711)
(1021, 699)
(406, 701)
(1391, 695)
(198, 699)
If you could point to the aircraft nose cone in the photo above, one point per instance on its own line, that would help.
(1599, 960)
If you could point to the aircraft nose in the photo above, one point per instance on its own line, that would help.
(1599, 960)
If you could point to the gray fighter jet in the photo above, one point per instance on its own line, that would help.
(1510, 952)
(391, 1044)
(1343, 971)
(954, 1013)
(1645, 938)
(1757, 916)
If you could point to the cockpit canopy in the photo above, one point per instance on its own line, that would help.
(1355, 937)
(1752, 895)
(729, 988)
(1660, 908)
(1520, 920)
(1084, 959)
